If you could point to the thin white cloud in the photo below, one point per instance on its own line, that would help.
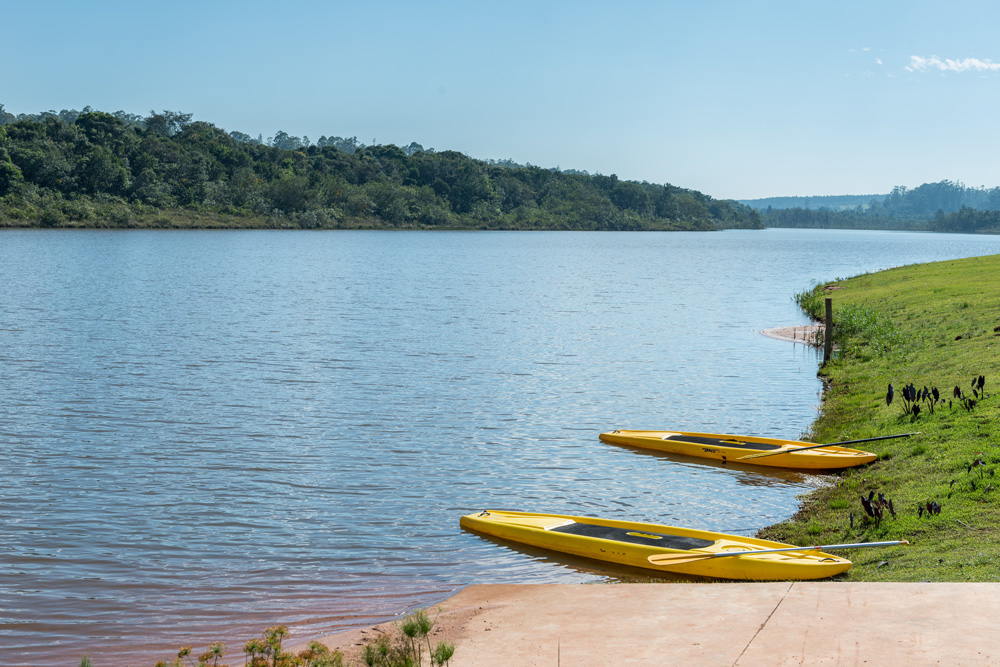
(921, 64)
(878, 61)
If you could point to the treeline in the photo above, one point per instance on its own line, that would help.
(934, 199)
(96, 169)
(968, 221)
(829, 202)
(947, 206)
(826, 219)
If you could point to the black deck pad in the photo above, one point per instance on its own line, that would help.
(634, 536)
(718, 442)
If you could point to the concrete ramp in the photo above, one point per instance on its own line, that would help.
(703, 625)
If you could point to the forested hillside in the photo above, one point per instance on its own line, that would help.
(946, 206)
(95, 169)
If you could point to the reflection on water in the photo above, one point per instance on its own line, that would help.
(205, 433)
(742, 473)
(607, 572)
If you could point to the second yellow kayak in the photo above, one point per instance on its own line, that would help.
(743, 449)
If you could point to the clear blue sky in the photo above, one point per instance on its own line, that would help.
(736, 99)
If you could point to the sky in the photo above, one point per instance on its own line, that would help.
(738, 100)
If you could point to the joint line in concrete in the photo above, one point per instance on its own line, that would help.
(784, 595)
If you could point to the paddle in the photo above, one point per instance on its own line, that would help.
(829, 444)
(680, 559)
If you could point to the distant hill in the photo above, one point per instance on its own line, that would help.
(944, 206)
(95, 169)
(829, 202)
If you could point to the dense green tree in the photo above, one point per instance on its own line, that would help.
(96, 168)
(108, 131)
(631, 196)
(166, 124)
(101, 171)
(286, 142)
(10, 176)
(290, 193)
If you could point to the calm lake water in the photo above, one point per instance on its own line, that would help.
(205, 433)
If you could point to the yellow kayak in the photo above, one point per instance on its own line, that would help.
(629, 543)
(744, 449)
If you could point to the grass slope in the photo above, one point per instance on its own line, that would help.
(930, 325)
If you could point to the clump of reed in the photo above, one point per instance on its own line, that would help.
(404, 648)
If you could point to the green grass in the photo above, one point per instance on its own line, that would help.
(931, 325)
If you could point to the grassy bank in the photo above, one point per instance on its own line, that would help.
(930, 325)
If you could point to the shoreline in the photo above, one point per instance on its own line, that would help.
(464, 617)
(477, 608)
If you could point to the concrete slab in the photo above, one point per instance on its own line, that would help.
(738, 625)
(881, 624)
(585, 624)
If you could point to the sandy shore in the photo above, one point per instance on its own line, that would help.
(746, 625)
(810, 334)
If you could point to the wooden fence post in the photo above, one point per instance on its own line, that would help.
(828, 331)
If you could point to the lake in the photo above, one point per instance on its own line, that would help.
(209, 432)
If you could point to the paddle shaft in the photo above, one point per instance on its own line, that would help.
(881, 437)
(829, 444)
(678, 559)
